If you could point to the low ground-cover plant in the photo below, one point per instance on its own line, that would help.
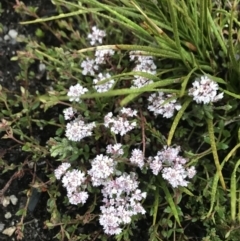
(148, 134)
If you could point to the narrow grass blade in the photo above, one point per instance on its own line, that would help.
(217, 33)
(185, 82)
(146, 50)
(131, 24)
(238, 215)
(174, 21)
(60, 16)
(176, 120)
(155, 205)
(232, 53)
(229, 155)
(213, 192)
(230, 93)
(187, 191)
(233, 192)
(216, 178)
(214, 151)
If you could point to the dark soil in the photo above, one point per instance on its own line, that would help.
(10, 151)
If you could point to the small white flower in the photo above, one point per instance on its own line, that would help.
(61, 170)
(105, 86)
(75, 92)
(204, 90)
(89, 66)
(69, 113)
(102, 54)
(128, 112)
(144, 64)
(77, 130)
(120, 124)
(115, 150)
(169, 155)
(78, 197)
(137, 158)
(139, 82)
(110, 223)
(159, 104)
(175, 175)
(73, 179)
(155, 164)
(191, 172)
(171, 164)
(122, 200)
(97, 35)
(102, 168)
(108, 119)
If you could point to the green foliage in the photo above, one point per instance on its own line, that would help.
(187, 39)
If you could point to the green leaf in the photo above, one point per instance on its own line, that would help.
(169, 199)
(39, 33)
(21, 212)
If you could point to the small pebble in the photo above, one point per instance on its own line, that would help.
(42, 67)
(13, 199)
(9, 231)
(13, 33)
(1, 226)
(8, 215)
(6, 37)
(31, 164)
(5, 201)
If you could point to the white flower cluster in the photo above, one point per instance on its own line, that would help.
(137, 158)
(78, 129)
(61, 170)
(121, 195)
(122, 200)
(105, 86)
(102, 54)
(160, 104)
(172, 166)
(102, 169)
(204, 90)
(75, 92)
(115, 150)
(97, 35)
(144, 64)
(89, 66)
(74, 181)
(120, 124)
(69, 113)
